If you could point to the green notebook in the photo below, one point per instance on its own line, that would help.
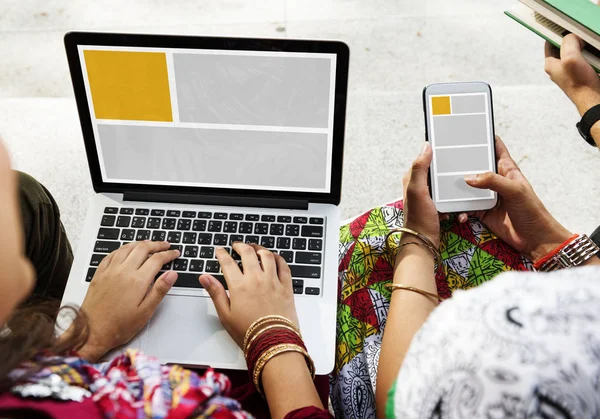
(554, 19)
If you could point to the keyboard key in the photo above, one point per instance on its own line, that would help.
(220, 240)
(127, 211)
(251, 239)
(283, 242)
(316, 220)
(205, 214)
(299, 244)
(166, 267)
(312, 291)
(230, 226)
(304, 271)
(261, 228)
(189, 238)
(207, 252)
(180, 264)
(292, 230)
(315, 244)
(215, 226)
(108, 221)
(157, 213)
(312, 258)
(190, 251)
(276, 230)
(174, 236)
(235, 255)
(205, 238)
(168, 223)
(184, 224)
(177, 247)
(106, 247)
(199, 225)
(246, 228)
(197, 265)
(236, 216)
(189, 214)
(235, 238)
(268, 218)
(128, 235)
(287, 255)
(111, 210)
(268, 242)
(108, 233)
(142, 235)
(153, 223)
(284, 219)
(212, 266)
(173, 213)
(159, 236)
(300, 220)
(298, 290)
(220, 216)
(90, 274)
(142, 211)
(138, 222)
(298, 283)
(252, 217)
(312, 231)
(96, 259)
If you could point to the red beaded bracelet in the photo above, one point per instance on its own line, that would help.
(540, 262)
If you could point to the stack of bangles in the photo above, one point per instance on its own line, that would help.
(268, 337)
(424, 242)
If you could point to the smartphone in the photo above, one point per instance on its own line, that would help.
(459, 125)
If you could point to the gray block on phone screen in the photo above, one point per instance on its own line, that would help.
(455, 187)
(460, 130)
(467, 159)
(468, 104)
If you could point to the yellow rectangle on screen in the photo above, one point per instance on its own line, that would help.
(129, 85)
(440, 105)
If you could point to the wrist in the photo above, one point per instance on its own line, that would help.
(91, 352)
(551, 241)
(585, 100)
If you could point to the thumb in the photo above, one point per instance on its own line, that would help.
(504, 186)
(158, 291)
(420, 167)
(217, 294)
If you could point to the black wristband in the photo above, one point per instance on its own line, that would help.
(587, 122)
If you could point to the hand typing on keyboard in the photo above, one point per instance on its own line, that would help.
(118, 302)
(263, 288)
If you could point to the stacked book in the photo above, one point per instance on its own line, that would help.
(554, 19)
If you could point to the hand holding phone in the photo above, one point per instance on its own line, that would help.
(459, 126)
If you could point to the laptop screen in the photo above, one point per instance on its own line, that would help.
(212, 118)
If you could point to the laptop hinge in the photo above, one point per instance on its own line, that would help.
(237, 201)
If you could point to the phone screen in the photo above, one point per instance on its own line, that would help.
(461, 134)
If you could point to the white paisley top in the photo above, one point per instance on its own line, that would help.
(524, 345)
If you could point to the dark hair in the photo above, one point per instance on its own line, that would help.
(32, 329)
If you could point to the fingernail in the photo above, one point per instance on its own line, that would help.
(171, 277)
(470, 178)
(424, 149)
(217, 248)
(462, 218)
(205, 281)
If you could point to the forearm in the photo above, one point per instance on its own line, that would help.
(288, 385)
(595, 131)
(408, 311)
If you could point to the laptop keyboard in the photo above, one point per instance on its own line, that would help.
(298, 239)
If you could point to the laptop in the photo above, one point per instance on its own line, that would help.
(202, 141)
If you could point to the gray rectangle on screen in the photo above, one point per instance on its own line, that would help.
(454, 187)
(467, 159)
(460, 130)
(222, 157)
(468, 104)
(253, 90)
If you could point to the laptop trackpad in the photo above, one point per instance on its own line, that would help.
(186, 330)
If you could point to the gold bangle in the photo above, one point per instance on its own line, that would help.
(426, 242)
(413, 289)
(264, 329)
(272, 353)
(268, 319)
